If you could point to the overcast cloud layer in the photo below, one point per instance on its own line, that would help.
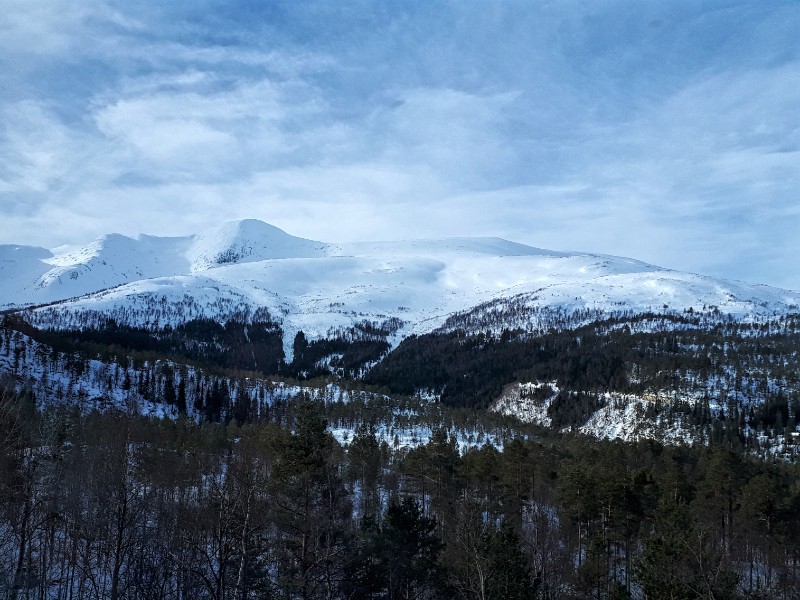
(664, 131)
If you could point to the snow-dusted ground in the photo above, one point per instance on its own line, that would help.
(631, 417)
(623, 416)
(528, 402)
(411, 436)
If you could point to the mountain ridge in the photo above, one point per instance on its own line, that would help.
(317, 287)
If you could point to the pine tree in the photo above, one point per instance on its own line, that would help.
(181, 400)
(312, 508)
(409, 550)
(170, 397)
(508, 573)
(680, 560)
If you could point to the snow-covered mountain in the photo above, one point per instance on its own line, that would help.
(671, 380)
(315, 286)
(37, 275)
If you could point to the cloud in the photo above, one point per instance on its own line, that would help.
(667, 132)
(458, 134)
(55, 27)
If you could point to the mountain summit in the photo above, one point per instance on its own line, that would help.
(248, 240)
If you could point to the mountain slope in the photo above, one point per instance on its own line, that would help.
(628, 348)
(318, 287)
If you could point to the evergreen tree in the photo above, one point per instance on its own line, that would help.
(680, 561)
(312, 508)
(170, 397)
(181, 400)
(508, 575)
(409, 551)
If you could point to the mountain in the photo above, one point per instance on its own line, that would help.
(317, 287)
(37, 275)
(603, 345)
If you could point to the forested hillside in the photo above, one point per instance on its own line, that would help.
(724, 378)
(114, 505)
(200, 461)
(713, 377)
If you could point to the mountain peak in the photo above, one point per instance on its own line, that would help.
(250, 227)
(248, 240)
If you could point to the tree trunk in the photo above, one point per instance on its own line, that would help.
(23, 545)
(240, 591)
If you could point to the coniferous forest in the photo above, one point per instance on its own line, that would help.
(234, 485)
(115, 505)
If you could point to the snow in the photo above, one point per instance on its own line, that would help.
(623, 416)
(407, 438)
(316, 287)
(19, 266)
(518, 400)
(248, 240)
(59, 379)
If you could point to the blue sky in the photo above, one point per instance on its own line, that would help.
(664, 131)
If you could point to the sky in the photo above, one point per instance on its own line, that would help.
(667, 131)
